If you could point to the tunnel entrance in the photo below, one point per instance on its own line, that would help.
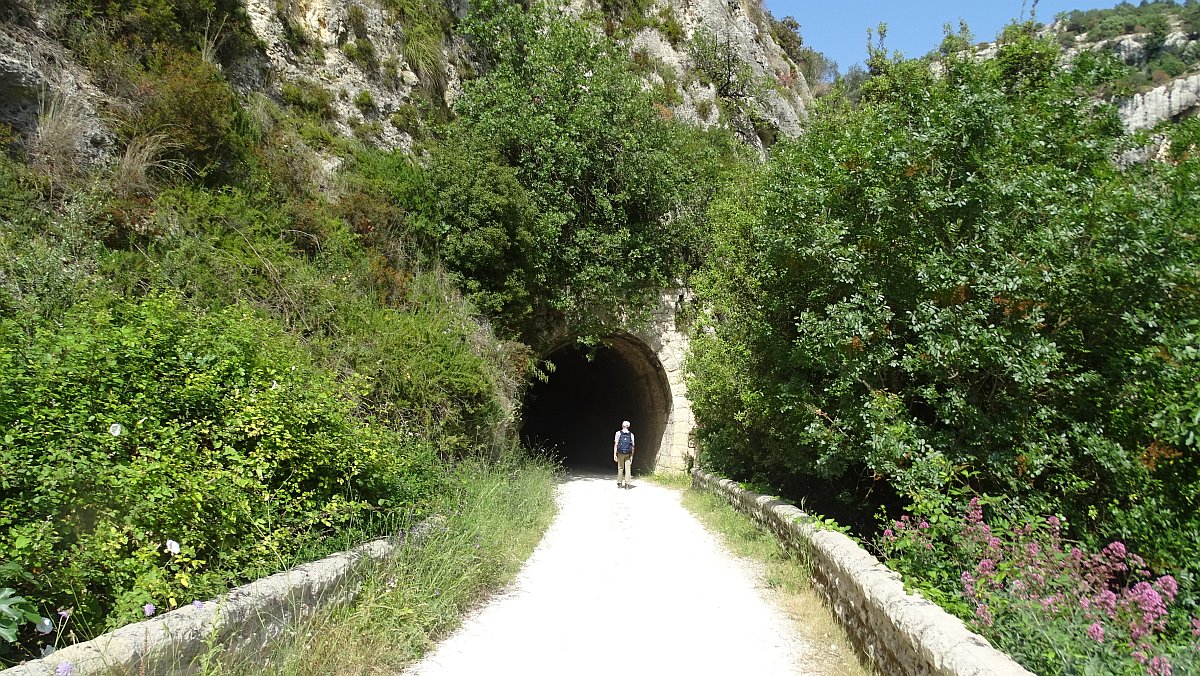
(576, 412)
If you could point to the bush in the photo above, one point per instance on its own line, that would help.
(364, 101)
(914, 297)
(362, 53)
(605, 173)
(189, 99)
(719, 64)
(309, 97)
(136, 423)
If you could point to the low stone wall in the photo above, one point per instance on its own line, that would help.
(902, 633)
(241, 623)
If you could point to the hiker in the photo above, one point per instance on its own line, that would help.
(623, 446)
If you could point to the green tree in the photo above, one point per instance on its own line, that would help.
(581, 181)
(955, 284)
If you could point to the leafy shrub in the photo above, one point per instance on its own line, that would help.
(137, 422)
(1168, 63)
(954, 285)
(362, 52)
(310, 97)
(408, 119)
(603, 170)
(147, 25)
(364, 101)
(719, 64)
(669, 26)
(190, 100)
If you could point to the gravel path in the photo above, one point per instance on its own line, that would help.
(626, 582)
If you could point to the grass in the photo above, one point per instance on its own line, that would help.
(786, 573)
(484, 531)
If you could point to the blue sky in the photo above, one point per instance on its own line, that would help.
(839, 27)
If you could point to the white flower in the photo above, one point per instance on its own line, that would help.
(588, 74)
(274, 385)
(115, 429)
(173, 547)
(44, 626)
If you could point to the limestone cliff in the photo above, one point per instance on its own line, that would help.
(378, 75)
(781, 97)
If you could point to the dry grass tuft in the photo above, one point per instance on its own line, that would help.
(53, 147)
(144, 157)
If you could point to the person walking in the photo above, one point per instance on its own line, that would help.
(623, 447)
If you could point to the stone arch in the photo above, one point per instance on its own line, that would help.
(635, 376)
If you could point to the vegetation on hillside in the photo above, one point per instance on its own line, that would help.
(219, 361)
(953, 291)
(218, 356)
(212, 369)
(1166, 30)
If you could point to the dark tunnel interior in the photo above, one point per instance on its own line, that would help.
(576, 412)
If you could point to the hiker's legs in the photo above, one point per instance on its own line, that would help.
(623, 467)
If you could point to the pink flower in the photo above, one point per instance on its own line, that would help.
(1032, 549)
(1096, 632)
(928, 545)
(889, 534)
(1053, 521)
(1168, 586)
(1107, 601)
(924, 524)
(994, 543)
(148, 609)
(974, 511)
(1196, 626)
(1159, 666)
(985, 567)
(1115, 551)
(983, 615)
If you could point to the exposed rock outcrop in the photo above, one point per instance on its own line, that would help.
(50, 102)
(351, 50)
(1175, 100)
(782, 95)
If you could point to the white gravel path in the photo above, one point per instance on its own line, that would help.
(626, 582)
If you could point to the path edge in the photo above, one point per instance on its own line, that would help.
(242, 622)
(900, 633)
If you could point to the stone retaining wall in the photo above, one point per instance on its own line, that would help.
(241, 623)
(902, 633)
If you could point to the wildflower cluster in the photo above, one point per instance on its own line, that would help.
(1053, 605)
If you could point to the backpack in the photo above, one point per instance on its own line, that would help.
(625, 443)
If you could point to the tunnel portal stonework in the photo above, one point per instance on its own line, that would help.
(635, 375)
(666, 337)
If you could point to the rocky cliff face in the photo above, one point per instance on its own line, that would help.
(44, 94)
(353, 51)
(782, 96)
(376, 75)
(1173, 101)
